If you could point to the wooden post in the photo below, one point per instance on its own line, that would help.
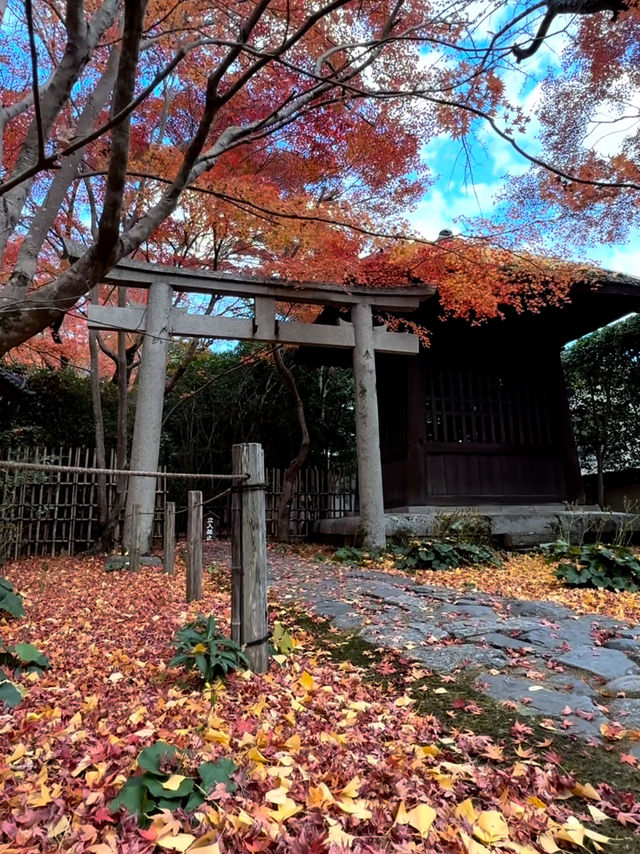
(367, 430)
(236, 555)
(169, 536)
(134, 552)
(194, 546)
(249, 556)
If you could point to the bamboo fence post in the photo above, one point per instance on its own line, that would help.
(249, 556)
(194, 545)
(134, 553)
(169, 536)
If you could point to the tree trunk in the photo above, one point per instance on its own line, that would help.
(600, 478)
(98, 420)
(293, 469)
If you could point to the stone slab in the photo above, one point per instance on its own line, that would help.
(602, 662)
(629, 685)
(446, 659)
(626, 712)
(544, 610)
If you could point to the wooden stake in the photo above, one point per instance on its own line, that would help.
(194, 546)
(169, 536)
(249, 557)
(134, 551)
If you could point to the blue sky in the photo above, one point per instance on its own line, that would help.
(459, 193)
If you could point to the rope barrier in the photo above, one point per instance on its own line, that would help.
(13, 465)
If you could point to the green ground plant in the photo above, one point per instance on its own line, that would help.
(419, 554)
(200, 647)
(607, 567)
(163, 785)
(21, 658)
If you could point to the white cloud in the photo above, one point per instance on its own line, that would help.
(440, 210)
(622, 259)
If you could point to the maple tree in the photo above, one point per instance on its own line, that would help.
(592, 140)
(303, 120)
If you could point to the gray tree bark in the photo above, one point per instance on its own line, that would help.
(148, 421)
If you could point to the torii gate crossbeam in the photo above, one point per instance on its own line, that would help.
(158, 320)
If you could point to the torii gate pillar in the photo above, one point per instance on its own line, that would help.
(145, 448)
(370, 492)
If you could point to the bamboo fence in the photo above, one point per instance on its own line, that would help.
(48, 513)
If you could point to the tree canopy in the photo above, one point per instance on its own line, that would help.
(271, 132)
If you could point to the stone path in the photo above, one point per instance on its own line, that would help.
(539, 655)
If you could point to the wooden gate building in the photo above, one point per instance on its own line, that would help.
(481, 416)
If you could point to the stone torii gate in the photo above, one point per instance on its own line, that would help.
(159, 319)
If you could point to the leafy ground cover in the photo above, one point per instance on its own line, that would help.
(530, 576)
(521, 576)
(339, 747)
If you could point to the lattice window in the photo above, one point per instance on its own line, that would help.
(485, 403)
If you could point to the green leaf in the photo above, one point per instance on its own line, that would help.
(212, 773)
(12, 603)
(132, 797)
(29, 654)
(151, 757)
(10, 693)
(201, 664)
(195, 800)
(157, 789)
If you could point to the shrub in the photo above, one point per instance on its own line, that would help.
(201, 648)
(443, 554)
(163, 786)
(425, 554)
(607, 567)
(354, 556)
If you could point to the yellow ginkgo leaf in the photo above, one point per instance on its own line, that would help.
(547, 843)
(428, 750)
(596, 837)
(357, 808)
(59, 827)
(293, 743)
(471, 845)
(285, 810)
(256, 755)
(466, 810)
(217, 737)
(586, 791)
(571, 831)
(402, 816)
(277, 796)
(173, 783)
(180, 842)
(422, 817)
(18, 752)
(307, 681)
(205, 848)
(352, 789)
(40, 798)
(597, 815)
(319, 796)
(491, 827)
